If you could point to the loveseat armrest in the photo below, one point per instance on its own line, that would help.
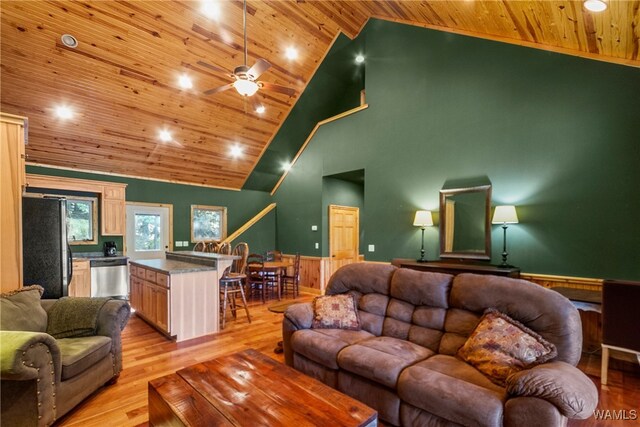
(559, 383)
(296, 317)
(111, 321)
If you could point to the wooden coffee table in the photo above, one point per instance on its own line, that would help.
(250, 389)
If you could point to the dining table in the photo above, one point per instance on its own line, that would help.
(278, 268)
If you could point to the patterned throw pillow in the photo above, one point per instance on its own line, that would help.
(335, 312)
(501, 346)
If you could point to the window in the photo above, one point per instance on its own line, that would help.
(208, 223)
(82, 220)
(148, 235)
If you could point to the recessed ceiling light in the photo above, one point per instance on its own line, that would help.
(236, 151)
(63, 112)
(210, 9)
(595, 5)
(185, 82)
(359, 59)
(69, 41)
(286, 167)
(260, 109)
(291, 53)
(165, 135)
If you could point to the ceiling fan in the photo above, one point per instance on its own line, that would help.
(246, 77)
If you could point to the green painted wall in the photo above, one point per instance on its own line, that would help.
(241, 206)
(558, 136)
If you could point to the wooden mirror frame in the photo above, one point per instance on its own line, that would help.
(486, 255)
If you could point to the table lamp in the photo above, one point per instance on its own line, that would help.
(423, 220)
(505, 215)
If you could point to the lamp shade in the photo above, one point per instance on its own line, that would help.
(423, 219)
(245, 87)
(505, 215)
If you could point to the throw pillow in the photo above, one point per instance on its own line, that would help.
(335, 312)
(500, 346)
(20, 310)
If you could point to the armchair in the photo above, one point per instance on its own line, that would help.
(44, 377)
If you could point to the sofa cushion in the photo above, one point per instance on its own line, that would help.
(381, 359)
(20, 310)
(79, 354)
(335, 312)
(323, 345)
(445, 386)
(500, 346)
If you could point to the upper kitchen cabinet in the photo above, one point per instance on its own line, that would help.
(113, 210)
(13, 131)
(112, 198)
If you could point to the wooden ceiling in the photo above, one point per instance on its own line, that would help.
(121, 80)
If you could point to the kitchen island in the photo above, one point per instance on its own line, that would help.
(179, 295)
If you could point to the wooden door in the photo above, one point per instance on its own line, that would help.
(344, 232)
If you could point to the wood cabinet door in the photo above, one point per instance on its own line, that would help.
(135, 293)
(113, 217)
(148, 301)
(80, 285)
(162, 308)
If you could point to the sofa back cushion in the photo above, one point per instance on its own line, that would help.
(20, 310)
(369, 284)
(541, 310)
(418, 306)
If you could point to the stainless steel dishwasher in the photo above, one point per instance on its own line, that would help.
(109, 278)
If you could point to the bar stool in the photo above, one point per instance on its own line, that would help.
(230, 287)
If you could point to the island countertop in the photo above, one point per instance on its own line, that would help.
(172, 266)
(202, 255)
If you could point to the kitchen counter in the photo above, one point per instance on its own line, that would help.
(172, 266)
(95, 256)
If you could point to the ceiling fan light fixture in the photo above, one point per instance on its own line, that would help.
(595, 5)
(246, 87)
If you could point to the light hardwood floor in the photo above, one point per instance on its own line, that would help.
(148, 355)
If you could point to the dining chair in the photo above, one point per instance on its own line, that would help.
(230, 286)
(240, 265)
(224, 248)
(213, 247)
(273, 255)
(293, 280)
(200, 247)
(256, 277)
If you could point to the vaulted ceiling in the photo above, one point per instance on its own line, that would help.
(122, 79)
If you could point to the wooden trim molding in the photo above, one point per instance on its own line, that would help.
(551, 281)
(311, 135)
(249, 224)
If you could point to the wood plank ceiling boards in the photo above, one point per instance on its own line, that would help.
(122, 79)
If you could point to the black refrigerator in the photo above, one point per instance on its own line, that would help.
(45, 251)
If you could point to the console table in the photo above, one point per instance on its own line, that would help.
(456, 268)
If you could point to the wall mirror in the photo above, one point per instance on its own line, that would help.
(465, 226)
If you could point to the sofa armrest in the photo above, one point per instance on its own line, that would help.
(30, 368)
(111, 321)
(296, 317)
(559, 383)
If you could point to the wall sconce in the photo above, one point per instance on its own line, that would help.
(423, 219)
(505, 215)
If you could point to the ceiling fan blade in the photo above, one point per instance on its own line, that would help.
(258, 68)
(218, 89)
(212, 67)
(277, 88)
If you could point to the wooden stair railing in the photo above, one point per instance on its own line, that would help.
(231, 237)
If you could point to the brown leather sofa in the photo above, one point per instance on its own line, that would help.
(403, 362)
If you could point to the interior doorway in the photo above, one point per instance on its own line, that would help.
(344, 232)
(149, 230)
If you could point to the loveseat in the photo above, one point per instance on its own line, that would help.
(404, 360)
(44, 377)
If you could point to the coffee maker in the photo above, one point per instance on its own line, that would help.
(110, 249)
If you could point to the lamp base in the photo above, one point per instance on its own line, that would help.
(422, 260)
(503, 265)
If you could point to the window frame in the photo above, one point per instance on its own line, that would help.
(223, 226)
(94, 217)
